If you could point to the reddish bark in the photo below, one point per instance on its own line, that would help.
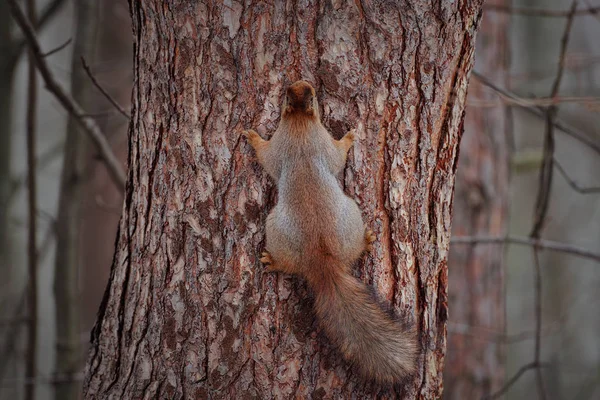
(189, 311)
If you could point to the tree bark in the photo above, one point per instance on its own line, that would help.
(475, 364)
(189, 311)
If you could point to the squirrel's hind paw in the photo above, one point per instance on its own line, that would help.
(267, 259)
(369, 239)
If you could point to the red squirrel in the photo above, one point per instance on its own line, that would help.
(316, 231)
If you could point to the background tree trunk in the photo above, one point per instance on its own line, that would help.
(188, 312)
(475, 363)
(11, 46)
(68, 260)
(7, 68)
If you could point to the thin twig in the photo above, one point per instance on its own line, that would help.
(563, 50)
(45, 16)
(572, 183)
(545, 178)
(538, 101)
(540, 112)
(539, 12)
(513, 379)
(104, 92)
(57, 49)
(527, 241)
(89, 126)
(543, 199)
(595, 14)
(574, 62)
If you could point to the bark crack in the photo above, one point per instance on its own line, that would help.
(151, 173)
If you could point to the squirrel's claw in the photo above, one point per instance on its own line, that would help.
(250, 134)
(253, 138)
(266, 258)
(351, 135)
(369, 239)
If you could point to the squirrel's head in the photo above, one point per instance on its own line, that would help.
(300, 100)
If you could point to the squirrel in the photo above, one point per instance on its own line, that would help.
(316, 231)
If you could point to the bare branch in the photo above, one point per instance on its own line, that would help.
(595, 13)
(572, 183)
(57, 49)
(545, 177)
(90, 127)
(537, 101)
(539, 112)
(543, 200)
(539, 12)
(525, 241)
(563, 50)
(45, 16)
(513, 379)
(104, 92)
(546, 171)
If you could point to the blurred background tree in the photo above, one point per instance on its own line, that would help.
(77, 218)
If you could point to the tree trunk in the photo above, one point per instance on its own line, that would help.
(68, 223)
(32, 263)
(189, 311)
(7, 73)
(475, 346)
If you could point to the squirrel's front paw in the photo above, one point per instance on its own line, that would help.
(252, 136)
(348, 140)
(350, 136)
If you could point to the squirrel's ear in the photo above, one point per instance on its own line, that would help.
(285, 106)
(313, 105)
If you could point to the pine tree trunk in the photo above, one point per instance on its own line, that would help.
(189, 311)
(475, 348)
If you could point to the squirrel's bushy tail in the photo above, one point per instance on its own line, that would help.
(382, 348)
